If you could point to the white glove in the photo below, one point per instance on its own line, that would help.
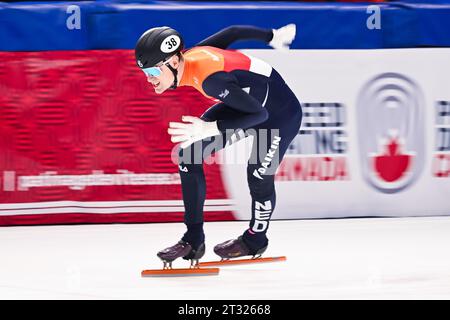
(283, 37)
(191, 130)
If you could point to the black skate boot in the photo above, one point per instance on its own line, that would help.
(237, 248)
(181, 250)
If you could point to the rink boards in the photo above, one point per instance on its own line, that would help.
(84, 139)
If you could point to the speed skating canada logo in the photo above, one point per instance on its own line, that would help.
(391, 134)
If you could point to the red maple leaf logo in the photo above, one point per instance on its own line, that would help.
(392, 164)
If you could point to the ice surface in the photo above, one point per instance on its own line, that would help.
(393, 258)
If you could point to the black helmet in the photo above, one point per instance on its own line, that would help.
(157, 44)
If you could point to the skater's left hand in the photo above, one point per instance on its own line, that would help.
(192, 129)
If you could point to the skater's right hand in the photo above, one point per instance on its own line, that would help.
(283, 37)
(191, 130)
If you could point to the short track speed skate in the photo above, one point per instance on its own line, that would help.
(236, 248)
(181, 250)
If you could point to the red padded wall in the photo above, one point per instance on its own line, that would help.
(79, 112)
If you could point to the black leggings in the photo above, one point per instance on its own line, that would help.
(270, 142)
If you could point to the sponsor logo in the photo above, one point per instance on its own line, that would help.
(391, 132)
(14, 182)
(140, 63)
(263, 212)
(268, 158)
(319, 151)
(246, 89)
(183, 169)
(441, 160)
(224, 94)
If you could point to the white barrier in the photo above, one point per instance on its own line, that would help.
(375, 136)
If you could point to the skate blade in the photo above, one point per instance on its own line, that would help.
(180, 272)
(241, 261)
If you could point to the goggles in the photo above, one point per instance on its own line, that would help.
(155, 71)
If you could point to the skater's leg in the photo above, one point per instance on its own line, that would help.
(193, 185)
(261, 183)
(268, 149)
(190, 164)
(260, 177)
(269, 146)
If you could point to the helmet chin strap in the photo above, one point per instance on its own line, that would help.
(175, 77)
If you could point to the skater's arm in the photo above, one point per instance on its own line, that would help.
(277, 38)
(225, 37)
(223, 86)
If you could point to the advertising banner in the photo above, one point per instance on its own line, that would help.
(375, 135)
(84, 139)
